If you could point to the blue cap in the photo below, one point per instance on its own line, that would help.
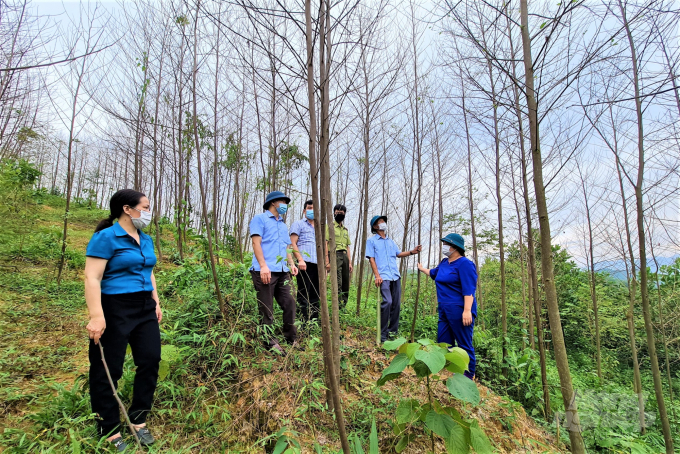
(273, 196)
(374, 220)
(456, 240)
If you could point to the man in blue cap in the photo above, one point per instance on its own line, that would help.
(269, 271)
(382, 253)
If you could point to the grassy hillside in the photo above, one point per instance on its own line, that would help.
(219, 391)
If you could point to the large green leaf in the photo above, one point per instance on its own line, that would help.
(409, 349)
(440, 424)
(408, 411)
(459, 360)
(479, 440)
(463, 388)
(170, 353)
(394, 344)
(421, 369)
(434, 359)
(457, 441)
(163, 369)
(397, 366)
(403, 442)
(373, 440)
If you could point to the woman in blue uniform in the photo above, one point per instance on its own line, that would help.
(121, 296)
(456, 281)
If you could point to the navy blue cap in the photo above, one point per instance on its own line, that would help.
(375, 218)
(273, 196)
(456, 240)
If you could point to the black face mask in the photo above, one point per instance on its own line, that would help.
(339, 217)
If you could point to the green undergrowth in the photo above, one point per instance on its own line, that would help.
(219, 390)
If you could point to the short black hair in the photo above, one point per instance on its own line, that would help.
(309, 202)
(339, 207)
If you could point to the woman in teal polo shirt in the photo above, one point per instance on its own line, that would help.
(121, 296)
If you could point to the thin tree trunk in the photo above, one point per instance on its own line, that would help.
(320, 238)
(593, 281)
(197, 143)
(559, 348)
(69, 170)
(639, 202)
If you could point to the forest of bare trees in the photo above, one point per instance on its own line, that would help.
(534, 129)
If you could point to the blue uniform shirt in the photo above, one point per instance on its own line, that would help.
(455, 280)
(384, 251)
(129, 265)
(306, 239)
(275, 241)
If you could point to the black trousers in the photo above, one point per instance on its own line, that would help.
(130, 318)
(390, 308)
(308, 293)
(343, 278)
(279, 288)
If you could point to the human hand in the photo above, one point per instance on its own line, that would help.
(265, 274)
(416, 249)
(293, 270)
(302, 265)
(95, 328)
(467, 318)
(421, 268)
(328, 267)
(351, 268)
(378, 281)
(159, 312)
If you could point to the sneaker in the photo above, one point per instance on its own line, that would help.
(145, 437)
(120, 445)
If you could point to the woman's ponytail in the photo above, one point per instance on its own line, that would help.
(105, 223)
(118, 200)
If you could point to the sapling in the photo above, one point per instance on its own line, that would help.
(428, 358)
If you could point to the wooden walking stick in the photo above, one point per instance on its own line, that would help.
(115, 394)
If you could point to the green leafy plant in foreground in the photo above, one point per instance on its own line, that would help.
(428, 359)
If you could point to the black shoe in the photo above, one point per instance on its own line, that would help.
(145, 437)
(120, 445)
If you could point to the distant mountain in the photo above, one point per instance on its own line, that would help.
(617, 268)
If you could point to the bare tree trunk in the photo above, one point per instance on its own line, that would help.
(593, 281)
(471, 203)
(320, 238)
(157, 178)
(69, 169)
(661, 323)
(559, 348)
(197, 143)
(639, 202)
(324, 154)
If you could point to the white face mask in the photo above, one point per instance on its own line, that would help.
(446, 250)
(382, 226)
(143, 220)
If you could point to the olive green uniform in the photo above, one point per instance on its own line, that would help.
(342, 243)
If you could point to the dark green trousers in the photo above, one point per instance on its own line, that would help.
(343, 278)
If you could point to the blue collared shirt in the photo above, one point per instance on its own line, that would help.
(129, 265)
(454, 281)
(306, 243)
(384, 251)
(275, 241)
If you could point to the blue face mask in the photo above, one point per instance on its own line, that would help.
(281, 209)
(310, 214)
